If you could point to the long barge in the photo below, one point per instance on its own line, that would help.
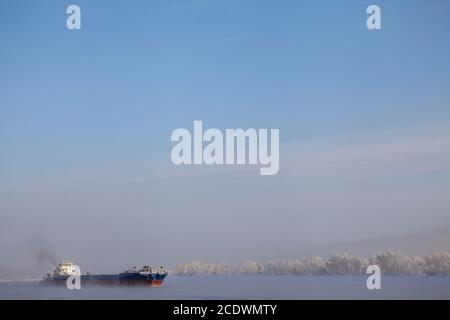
(146, 276)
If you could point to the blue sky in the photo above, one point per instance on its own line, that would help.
(135, 72)
(107, 97)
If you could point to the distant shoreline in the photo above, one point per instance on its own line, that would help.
(390, 263)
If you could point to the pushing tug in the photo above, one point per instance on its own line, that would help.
(146, 276)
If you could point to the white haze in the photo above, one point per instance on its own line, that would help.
(331, 195)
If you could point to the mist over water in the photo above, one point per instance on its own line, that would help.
(247, 287)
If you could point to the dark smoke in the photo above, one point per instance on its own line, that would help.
(42, 250)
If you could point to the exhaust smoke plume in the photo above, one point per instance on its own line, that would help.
(42, 250)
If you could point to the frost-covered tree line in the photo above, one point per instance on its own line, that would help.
(391, 263)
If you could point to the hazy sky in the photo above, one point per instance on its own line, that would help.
(86, 118)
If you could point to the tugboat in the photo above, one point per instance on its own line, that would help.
(146, 276)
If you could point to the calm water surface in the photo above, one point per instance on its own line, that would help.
(246, 287)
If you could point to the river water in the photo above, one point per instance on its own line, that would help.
(245, 287)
